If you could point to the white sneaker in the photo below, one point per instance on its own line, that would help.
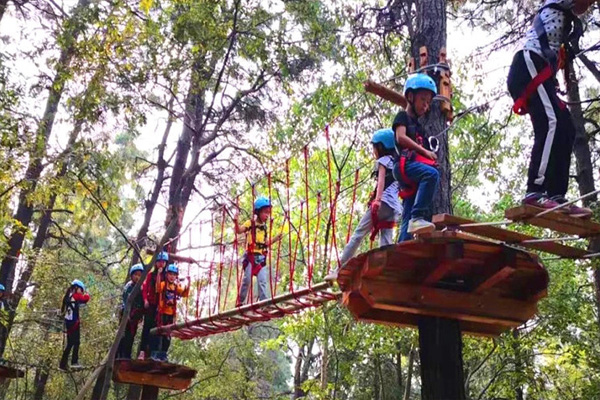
(419, 225)
(76, 366)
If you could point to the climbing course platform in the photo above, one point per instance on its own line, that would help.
(276, 307)
(153, 373)
(489, 287)
(555, 220)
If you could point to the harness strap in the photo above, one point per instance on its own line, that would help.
(73, 328)
(520, 106)
(377, 224)
(409, 188)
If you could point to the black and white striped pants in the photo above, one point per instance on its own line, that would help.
(552, 124)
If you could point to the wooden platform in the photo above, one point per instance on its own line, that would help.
(556, 221)
(153, 373)
(507, 236)
(488, 287)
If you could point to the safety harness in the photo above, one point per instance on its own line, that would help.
(573, 31)
(257, 252)
(408, 187)
(377, 224)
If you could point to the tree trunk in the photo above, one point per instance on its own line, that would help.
(584, 167)
(24, 213)
(325, 363)
(439, 339)
(399, 366)
(516, 345)
(40, 381)
(411, 362)
(161, 165)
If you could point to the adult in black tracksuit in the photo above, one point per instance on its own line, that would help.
(73, 299)
(538, 61)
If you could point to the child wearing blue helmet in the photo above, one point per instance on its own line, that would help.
(151, 302)
(135, 315)
(416, 168)
(73, 299)
(168, 291)
(254, 260)
(384, 206)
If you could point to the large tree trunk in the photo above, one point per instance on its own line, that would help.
(40, 238)
(25, 207)
(584, 166)
(40, 381)
(440, 339)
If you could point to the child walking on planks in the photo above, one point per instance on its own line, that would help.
(416, 169)
(254, 261)
(73, 299)
(136, 313)
(532, 84)
(151, 302)
(168, 290)
(384, 206)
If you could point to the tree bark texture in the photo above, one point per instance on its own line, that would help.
(439, 339)
(584, 167)
(24, 213)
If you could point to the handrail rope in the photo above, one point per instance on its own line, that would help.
(309, 267)
(356, 176)
(540, 214)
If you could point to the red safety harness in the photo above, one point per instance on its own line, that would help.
(409, 187)
(572, 33)
(250, 255)
(377, 224)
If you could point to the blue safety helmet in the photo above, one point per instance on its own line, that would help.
(261, 203)
(162, 256)
(136, 268)
(420, 82)
(385, 137)
(78, 283)
(2, 288)
(173, 268)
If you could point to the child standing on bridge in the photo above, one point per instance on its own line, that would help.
(384, 206)
(254, 261)
(416, 168)
(135, 315)
(532, 84)
(73, 299)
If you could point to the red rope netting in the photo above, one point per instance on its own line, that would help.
(307, 223)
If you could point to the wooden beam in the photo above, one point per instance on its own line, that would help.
(494, 279)
(555, 220)
(509, 237)
(386, 93)
(449, 304)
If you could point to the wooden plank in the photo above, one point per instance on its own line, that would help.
(450, 304)
(555, 220)
(152, 373)
(510, 237)
(491, 281)
(440, 271)
(392, 318)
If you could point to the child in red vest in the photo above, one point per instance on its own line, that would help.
(151, 302)
(168, 291)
